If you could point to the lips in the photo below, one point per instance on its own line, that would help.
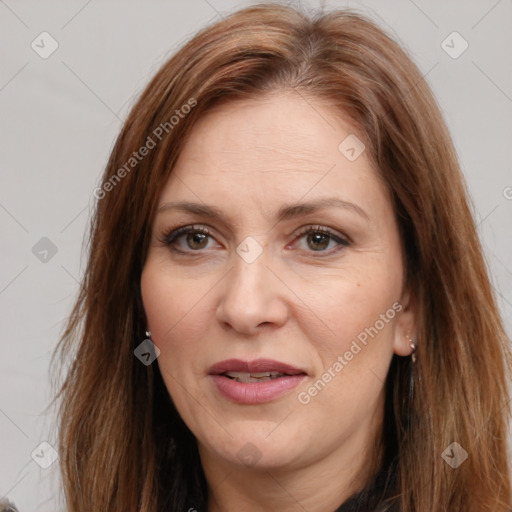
(254, 376)
(255, 366)
(253, 382)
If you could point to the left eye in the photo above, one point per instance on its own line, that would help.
(319, 239)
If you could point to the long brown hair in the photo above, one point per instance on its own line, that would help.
(123, 446)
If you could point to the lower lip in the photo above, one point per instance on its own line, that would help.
(255, 392)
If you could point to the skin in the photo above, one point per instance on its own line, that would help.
(301, 302)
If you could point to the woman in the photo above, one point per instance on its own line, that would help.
(286, 305)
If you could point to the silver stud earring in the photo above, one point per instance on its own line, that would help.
(148, 335)
(413, 346)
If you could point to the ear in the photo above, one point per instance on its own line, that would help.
(406, 325)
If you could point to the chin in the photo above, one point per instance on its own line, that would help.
(260, 448)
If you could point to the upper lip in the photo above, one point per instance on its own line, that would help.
(254, 366)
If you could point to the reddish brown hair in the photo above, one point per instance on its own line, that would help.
(122, 445)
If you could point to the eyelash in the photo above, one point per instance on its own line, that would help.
(170, 237)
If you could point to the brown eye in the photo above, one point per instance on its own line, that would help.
(195, 239)
(318, 239)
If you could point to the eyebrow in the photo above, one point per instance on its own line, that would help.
(286, 212)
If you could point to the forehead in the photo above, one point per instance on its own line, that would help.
(282, 127)
(276, 149)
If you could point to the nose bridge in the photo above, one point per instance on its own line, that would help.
(250, 275)
(251, 295)
(250, 267)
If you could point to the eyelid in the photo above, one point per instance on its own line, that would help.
(323, 229)
(169, 235)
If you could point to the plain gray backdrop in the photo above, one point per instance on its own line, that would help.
(61, 114)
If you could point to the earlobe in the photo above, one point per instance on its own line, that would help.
(405, 331)
(405, 345)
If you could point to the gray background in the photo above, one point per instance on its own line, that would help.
(60, 117)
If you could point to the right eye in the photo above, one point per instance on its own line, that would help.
(195, 239)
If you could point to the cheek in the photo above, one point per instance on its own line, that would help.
(351, 324)
(173, 311)
(348, 304)
(352, 332)
(171, 305)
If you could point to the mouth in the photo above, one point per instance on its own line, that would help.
(254, 377)
(253, 382)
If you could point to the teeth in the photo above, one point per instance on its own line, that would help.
(253, 377)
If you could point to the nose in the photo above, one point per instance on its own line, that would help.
(253, 297)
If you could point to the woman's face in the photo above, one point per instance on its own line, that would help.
(278, 312)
